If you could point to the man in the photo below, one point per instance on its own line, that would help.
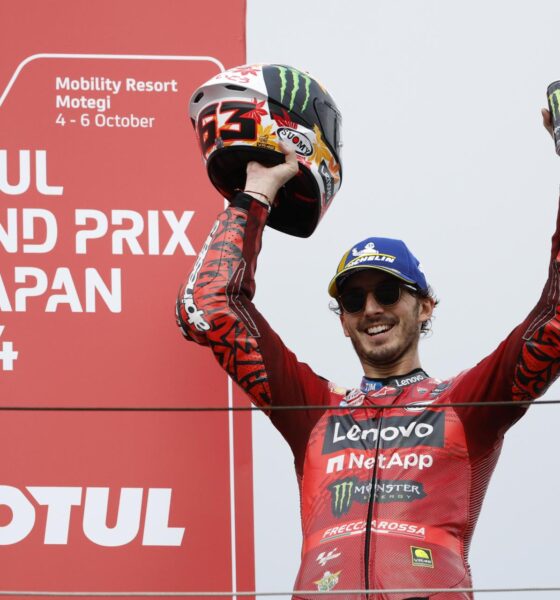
(392, 475)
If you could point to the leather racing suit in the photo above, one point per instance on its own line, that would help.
(390, 493)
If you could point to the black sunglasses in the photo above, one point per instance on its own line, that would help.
(386, 293)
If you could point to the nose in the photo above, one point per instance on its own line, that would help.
(372, 307)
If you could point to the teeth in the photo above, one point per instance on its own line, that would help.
(378, 329)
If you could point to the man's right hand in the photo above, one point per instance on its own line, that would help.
(264, 182)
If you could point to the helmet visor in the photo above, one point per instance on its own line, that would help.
(330, 121)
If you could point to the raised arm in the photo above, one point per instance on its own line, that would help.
(215, 308)
(526, 363)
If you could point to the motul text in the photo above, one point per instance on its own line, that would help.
(60, 501)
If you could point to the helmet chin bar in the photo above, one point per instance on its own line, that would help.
(295, 211)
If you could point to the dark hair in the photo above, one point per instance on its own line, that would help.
(425, 328)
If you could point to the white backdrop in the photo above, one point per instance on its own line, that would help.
(444, 148)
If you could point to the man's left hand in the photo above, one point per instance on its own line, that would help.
(547, 121)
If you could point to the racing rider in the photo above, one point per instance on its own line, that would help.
(392, 478)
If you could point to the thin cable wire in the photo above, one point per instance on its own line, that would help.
(268, 408)
(290, 593)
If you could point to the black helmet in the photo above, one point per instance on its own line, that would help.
(240, 116)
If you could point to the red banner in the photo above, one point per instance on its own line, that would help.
(104, 204)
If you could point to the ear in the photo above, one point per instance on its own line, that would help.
(425, 308)
(342, 318)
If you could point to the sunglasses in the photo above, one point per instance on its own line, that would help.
(386, 293)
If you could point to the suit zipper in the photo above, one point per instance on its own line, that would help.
(371, 504)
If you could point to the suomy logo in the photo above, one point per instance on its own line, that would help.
(301, 142)
(344, 431)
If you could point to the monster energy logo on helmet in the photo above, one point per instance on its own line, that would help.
(289, 86)
(295, 84)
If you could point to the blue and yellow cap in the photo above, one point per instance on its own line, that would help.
(383, 254)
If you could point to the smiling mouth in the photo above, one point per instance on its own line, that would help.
(378, 329)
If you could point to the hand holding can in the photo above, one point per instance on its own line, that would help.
(553, 95)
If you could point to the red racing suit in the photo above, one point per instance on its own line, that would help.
(390, 492)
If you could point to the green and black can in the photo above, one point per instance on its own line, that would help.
(553, 95)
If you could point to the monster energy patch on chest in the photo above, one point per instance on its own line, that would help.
(345, 492)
